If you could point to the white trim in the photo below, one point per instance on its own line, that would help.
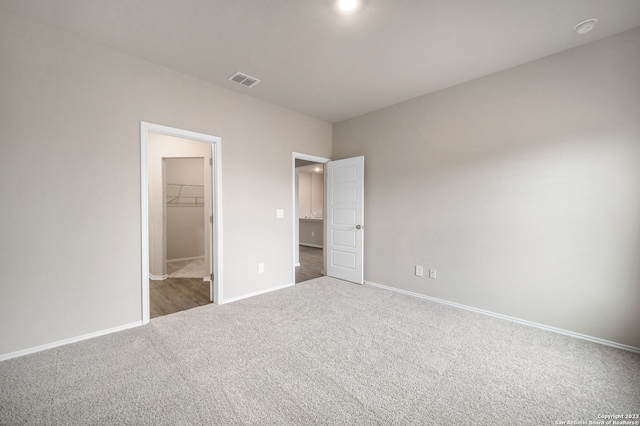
(508, 318)
(294, 205)
(158, 277)
(311, 245)
(216, 184)
(185, 258)
(144, 219)
(68, 341)
(257, 293)
(216, 200)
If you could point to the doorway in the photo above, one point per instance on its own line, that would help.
(343, 217)
(185, 282)
(181, 219)
(308, 218)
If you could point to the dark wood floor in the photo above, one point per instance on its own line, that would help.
(311, 264)
(177, 294)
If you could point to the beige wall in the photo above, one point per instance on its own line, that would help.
(310, 194)
(187, 207)
(317, 194)
(70, 113)
(522, 189)
(161, 147)
(304, 194)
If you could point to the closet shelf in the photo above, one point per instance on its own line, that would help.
(183, 195)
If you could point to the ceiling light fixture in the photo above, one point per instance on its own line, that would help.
(585, 26)
(348, 6)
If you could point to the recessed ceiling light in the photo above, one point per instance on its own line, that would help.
(585, 26)
(348, 6)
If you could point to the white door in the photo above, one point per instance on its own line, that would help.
(345, 219)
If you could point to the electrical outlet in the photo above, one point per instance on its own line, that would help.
(313, 234)
(419, 271)
(432, 274)
(260, 268)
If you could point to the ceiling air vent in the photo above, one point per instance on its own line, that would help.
(245, 80)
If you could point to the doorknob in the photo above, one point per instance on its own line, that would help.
(358, 227)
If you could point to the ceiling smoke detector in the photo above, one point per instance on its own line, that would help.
(585, 26)
(244, 79)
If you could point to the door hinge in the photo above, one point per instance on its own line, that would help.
(211, 161)
(211, 277)
(210, 219)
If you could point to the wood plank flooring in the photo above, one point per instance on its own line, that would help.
(177, 294)
(311, 264)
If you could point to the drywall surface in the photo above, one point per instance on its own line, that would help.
(162, 148)
(304, 194)
(522, 189)
(188, 212)
(317, 195)
(70, 113)
(310, 195)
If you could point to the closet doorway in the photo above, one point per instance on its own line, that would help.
(181, 217)
(185, 282)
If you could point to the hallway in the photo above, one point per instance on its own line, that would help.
(311, 264)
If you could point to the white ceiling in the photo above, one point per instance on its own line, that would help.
(334, 67)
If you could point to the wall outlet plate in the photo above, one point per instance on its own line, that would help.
(419, 271)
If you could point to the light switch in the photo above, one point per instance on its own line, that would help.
(279, 213)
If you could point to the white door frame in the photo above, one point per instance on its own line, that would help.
(216, 205)
(300, 156)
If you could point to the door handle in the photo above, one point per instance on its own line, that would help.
(358, 227)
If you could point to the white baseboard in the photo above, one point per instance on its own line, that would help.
(256, 293)
(512, 319)
(158, 277)
(68, 341)
(185, 258)
(296, 265)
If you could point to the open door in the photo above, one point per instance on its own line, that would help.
(345, 219)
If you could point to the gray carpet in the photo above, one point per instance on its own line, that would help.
(322, 352)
